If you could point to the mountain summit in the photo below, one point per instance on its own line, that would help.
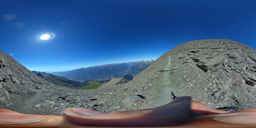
(218, 72)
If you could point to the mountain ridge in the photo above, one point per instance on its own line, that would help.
(105, 72)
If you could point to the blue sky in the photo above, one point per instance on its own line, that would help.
(93, 32)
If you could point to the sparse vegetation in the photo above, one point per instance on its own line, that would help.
(61, 84)
(93, 85)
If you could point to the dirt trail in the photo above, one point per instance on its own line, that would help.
(164, 84)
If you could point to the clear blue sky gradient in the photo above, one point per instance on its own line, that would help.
(93, 32)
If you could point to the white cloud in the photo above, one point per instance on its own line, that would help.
(9, 17)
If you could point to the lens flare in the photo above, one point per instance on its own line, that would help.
(47, 36)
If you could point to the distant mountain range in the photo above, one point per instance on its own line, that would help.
(62, 81)
(58, 80)
(105, 72)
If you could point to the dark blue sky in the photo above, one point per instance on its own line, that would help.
(92, 32)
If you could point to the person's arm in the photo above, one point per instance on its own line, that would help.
(11, 119)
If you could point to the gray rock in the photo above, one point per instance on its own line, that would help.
(2, 100)
(7, 94)
(132, 101)
(38, 105)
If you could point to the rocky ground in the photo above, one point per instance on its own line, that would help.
(220, 73)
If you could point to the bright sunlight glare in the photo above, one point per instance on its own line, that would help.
(47, 36)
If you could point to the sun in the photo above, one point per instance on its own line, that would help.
(47, 36)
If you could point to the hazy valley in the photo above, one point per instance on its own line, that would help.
(93, 77)
(106, 72)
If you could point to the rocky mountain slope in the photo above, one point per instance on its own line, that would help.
(17, 83)
(218, 72)
(105, 72)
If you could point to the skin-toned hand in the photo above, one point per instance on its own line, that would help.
(182, 113)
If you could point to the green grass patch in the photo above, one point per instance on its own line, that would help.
(92, 86)
(61, 83)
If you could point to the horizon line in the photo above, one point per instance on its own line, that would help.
(88, 66)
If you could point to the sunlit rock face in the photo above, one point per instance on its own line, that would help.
(218, 72)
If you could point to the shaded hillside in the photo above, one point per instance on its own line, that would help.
(58, 80)
(218, 72)
(105, 72)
